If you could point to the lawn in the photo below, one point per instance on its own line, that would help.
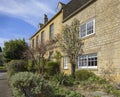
(2, 67)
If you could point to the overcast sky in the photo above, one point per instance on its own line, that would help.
(19, 18)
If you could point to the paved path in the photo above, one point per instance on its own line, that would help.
(4, 88)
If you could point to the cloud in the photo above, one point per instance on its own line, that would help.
(30, 11)
(2, 40)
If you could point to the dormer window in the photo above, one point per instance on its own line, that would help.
(60, 6)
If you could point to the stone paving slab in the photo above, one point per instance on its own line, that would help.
(100, 93)
(4, 87)
(95, 94)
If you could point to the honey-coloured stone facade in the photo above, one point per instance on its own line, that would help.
(106, 39)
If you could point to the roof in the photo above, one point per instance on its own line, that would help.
(74, 6)
(46, 24)
(70, 9)
(62, 4)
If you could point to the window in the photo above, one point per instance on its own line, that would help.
(33, 43)
(65, 63)
(51, 56)
(37, 41)
(87, 61)
(83, 30)
(51, 31)
(87, 28)
(42, 37)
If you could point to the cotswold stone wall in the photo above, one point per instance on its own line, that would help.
(57, 22)
(106, 40)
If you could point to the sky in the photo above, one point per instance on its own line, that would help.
(19, 18)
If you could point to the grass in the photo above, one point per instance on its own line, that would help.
(2, 67)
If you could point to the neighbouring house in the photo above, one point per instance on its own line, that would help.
(48, 30)
(99, 30)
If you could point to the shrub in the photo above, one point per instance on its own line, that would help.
(31, 66)
(62, 92)
(74, 94)
(82, 75)
(63, 79)
(26, 84)
(52, 68)
(97, 80)
(16, 66)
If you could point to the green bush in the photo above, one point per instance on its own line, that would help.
(82, 75)
(16, 66)
(74, 94)
(63, 79)
(31, 66)
(62, 92)
(97, 80)
(26, 84)
(52, 68)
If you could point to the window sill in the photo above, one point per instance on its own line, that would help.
(88, 36)
(65, 68)
(91, 68)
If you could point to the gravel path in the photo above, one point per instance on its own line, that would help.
(4, 88)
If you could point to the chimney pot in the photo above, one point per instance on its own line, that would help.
(45, 19)
(40, 25)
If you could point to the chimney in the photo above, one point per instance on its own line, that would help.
(45, 19)
(40, 25)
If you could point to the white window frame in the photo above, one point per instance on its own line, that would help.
(86, 66)
(65, 62)
(86, 35)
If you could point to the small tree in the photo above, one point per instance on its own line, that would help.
(58, 57)
(26, 84)
(1, 61)
(0, 49)
(70, 43)
(13, 49)
(38, 54)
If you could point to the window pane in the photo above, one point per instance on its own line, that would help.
(65, 63)
(51, 56)
(33, 43)
(87, 60)
(42, 37)
(83, 61)
(92, 58)
(83, 30)
(90, 27)
(37, 40)
(51, 31)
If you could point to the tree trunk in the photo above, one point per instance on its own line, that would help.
(73, 69)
